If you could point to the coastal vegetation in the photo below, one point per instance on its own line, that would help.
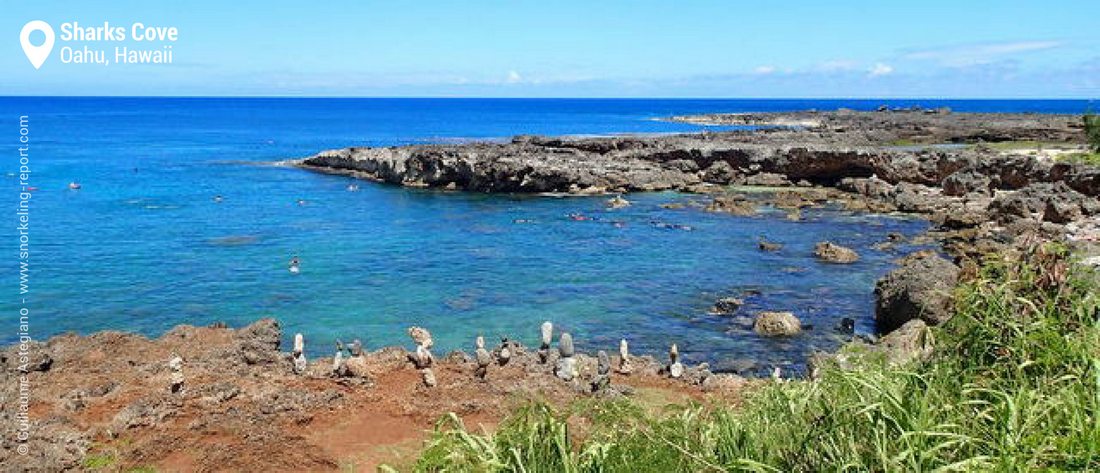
(1012, 386)
(1092, 131)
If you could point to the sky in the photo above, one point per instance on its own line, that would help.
(567, 48)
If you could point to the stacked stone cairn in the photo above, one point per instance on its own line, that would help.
(339, 363)
(176, 366)
(625, 365)
(675, 368)
(547, 337)
(504, 353)
(423, 358)
(299, 354)
(483, 358)
(602, 380)
(566, 368)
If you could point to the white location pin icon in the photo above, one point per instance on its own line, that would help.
(37, 54)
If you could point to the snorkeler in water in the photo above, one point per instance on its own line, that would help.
(295, 264)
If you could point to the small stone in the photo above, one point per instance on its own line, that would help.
(566, 368)
(602, 380)
(356, 348)
(176, 365)
(547, 334)
(422, 337)
(299, 343)
(565, 345)
(676, 370)
(428, 377)
(625, 365)
(603, 363)
(482, 357)
(299, 356)
(505, 353)
(423, 357)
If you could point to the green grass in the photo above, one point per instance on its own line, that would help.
(1013, 387)
(99, 461)
(1023, 145)
(1083, 158)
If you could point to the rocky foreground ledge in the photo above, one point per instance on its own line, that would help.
(222, 399)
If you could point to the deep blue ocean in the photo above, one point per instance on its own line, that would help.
(143, 246)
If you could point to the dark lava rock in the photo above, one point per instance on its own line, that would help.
(965, 182)
(920, 289)
(727, 305)
(259, 343)
(1053, 202)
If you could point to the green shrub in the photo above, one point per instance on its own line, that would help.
(1092, 131)
(1014, 386)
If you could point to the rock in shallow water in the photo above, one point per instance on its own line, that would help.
(830, 252)
(777, 324)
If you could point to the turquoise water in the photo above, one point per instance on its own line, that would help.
(143, 246)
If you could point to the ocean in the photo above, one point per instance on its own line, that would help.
(143, 246)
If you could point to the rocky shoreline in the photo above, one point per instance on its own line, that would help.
(243, 402)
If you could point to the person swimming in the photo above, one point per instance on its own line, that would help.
(301, 202)
(353, 187)
(218, 198)
(74, 185)
(295, 265)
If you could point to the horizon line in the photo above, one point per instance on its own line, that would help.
(482, 97)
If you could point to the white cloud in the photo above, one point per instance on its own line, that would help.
(514, 77)
(763, 70)
(976, 54)
(880, 69)
(837, 65)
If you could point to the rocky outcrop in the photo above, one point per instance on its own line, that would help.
(920, 289)
(258, 344)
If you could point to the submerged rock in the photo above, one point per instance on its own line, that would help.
(727, 305)
(617, 202)
(766, 245)
(732, 204)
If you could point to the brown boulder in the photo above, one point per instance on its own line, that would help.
(776, 324)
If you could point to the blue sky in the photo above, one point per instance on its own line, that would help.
(565, 48)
